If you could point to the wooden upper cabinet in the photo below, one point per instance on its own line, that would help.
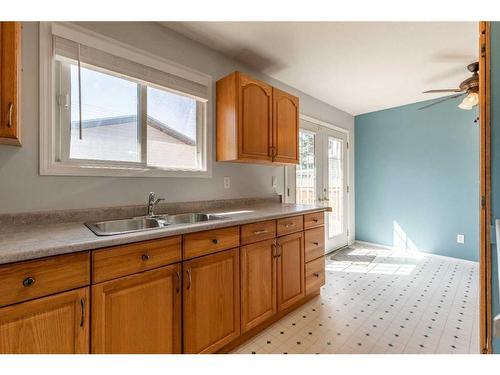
(138, 314)
(255, 130)
(291, 267)
(286, 127)
(57, 324)
(211, 301)
(258, 283)
(256, 123)
(10, 78)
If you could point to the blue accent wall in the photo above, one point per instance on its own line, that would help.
(417, 178)
(495, 161)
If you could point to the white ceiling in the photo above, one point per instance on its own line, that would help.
(358, 67)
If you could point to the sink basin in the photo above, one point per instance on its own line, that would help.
(191, 218)
(107, 228)
(138, 224)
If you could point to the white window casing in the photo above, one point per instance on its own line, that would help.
(64, 40)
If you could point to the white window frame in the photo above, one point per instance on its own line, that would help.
(51, 162)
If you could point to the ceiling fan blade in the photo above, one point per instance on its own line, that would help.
(442, 90)
(442, 100)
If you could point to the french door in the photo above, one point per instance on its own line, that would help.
(321, 177)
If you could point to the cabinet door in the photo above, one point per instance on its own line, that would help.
(57, 324)
(10, 67)
(211, 316)
(285, 127)
(291, 282)
(258, 283)
(255, 120)
(138, 314)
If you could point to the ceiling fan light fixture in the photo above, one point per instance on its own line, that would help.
(471, 100)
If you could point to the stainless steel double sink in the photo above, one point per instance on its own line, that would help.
(143, 223)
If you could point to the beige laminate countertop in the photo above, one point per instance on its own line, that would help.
(24, 242)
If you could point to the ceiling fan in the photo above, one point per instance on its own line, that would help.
(469, 88)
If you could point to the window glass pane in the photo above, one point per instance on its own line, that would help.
(171, 134)
(110, 127)
(306, 170)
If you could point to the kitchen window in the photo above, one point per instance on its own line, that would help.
(116, 116)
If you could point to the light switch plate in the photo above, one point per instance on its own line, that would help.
(227, 182)
(460, 238)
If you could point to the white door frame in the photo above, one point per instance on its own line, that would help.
(289, 172)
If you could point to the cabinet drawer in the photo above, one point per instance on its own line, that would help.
(210, 241)
(314, 243)
(315, 275)
(313, 220)
(118, 261)
(265, 230)
(289, 225)
(38, 278)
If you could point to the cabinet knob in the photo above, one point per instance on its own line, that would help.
(29, 281)
(145, 257)
(316, 274)
(316, 243)
(215, 241)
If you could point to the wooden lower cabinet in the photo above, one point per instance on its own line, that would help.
(211, 301)
(291, 282)
(258, 283)
(58, 324)
(139, 313)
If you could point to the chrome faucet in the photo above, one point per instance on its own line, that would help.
(152, 202)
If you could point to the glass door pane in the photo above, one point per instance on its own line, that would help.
(305, 189)
(335, 194)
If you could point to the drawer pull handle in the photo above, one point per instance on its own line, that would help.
(145, 257)
(316, 274)
(316, 243)
(315, 220)
(262, 231)
(82, 305)
(9, 122)
(215, 241)
(288, 225)
(29, 281)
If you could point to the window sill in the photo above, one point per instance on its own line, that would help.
(93, 170)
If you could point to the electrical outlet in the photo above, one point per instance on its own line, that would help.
(460, 238)
(227, 182)
(274, 182)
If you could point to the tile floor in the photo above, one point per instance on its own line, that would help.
(378, 300)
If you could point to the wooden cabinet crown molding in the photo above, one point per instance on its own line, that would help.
(10, 83)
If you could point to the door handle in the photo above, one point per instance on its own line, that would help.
(188, 271)
(9, 121)
(177, 290)
(82, 305)
(275, 250)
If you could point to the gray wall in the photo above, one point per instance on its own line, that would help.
(23, 189)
